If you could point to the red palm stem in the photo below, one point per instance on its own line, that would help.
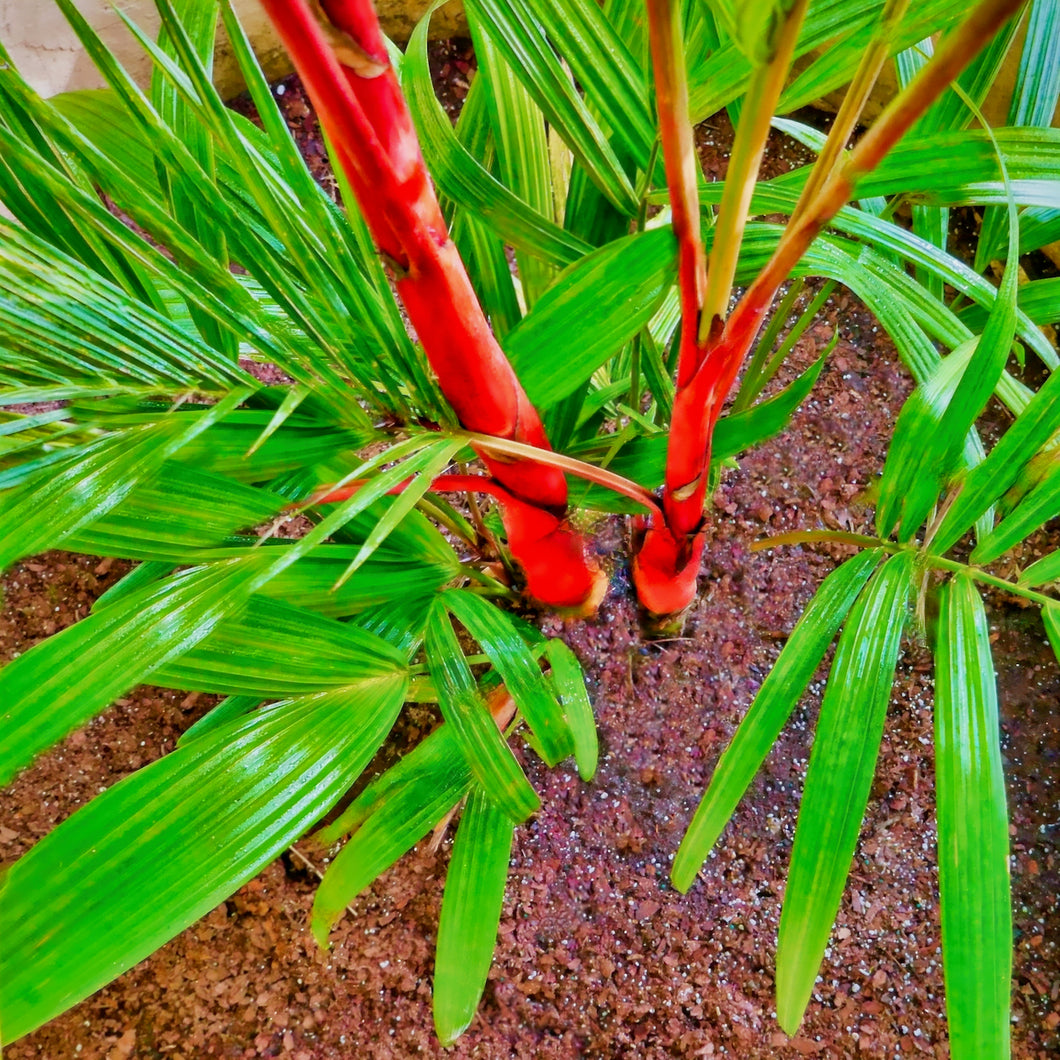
(339, 51)
(670, 549)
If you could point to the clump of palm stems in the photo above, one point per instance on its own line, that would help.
(444, 469)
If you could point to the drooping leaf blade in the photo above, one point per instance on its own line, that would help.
(520, 672)
(471, 911)
(569, 683)
(776, 699)
(393, 813)
(838, 779)
(63, 681)
(488, 754)
(155, 852)
(973, 830)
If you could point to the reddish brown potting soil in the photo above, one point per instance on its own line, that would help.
(597, 955)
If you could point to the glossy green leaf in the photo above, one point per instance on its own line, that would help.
(518, 669)
(434, 765)
(175, 513)
(1045, 570)
(345, 287)
(569, 683)
(590, 312)
(481, 742)
(920, 415)
(195, 43)
(520, 36)
(1034, 100)
(517, 129)
(985, 483)
(273, 650)
(203, 283)
(1051, 621)
(393, 813)
(462, 178)
(929, 436)
(392, 574)
(838, 780)
(57, 503)
(397, 510)
(234, 447)
(615, 88)
(1040, 503)
(972, 829)
(958, 105)
(101, 116)
(1039, 299)
(161, 848)
(471, 913)
(836, 257)
(838, 31)
(752, 26)
(401, 623)
(63, 681)
(227, 710)
(776, 699)
(63, 323)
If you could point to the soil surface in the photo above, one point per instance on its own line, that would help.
(597, 955)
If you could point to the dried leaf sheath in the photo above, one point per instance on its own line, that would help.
(340, 54)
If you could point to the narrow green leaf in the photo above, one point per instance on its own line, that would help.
(55, 504)
(517, 129)
(840, 31)
(519, 35)
(753, 26)
(176, 512)
(1040, 503)
(65, 324)
(1039, 299)
(462, 178)
(63, 681)
(399, 509)
(471, 913)
(615, 87)
(1033, 103)
(102, 117)
(569, 683)
(926, 453)
(838, 780)
(142, 574)
(1051, 621)
(643, 458)
(434, 765)
(272, 650)
(161, 848)
(776, 699)
(227, 710)
(1045, 570)
(392, 814)
(393, 574)
(481, 742)
(973, 830)
(518, 669)
(592, 310)
(919, 418)
(985, 483)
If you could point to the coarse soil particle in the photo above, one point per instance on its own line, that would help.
(597, 955)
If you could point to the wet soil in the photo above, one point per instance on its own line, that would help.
(597, 955)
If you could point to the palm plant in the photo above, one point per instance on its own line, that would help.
(556, 379)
